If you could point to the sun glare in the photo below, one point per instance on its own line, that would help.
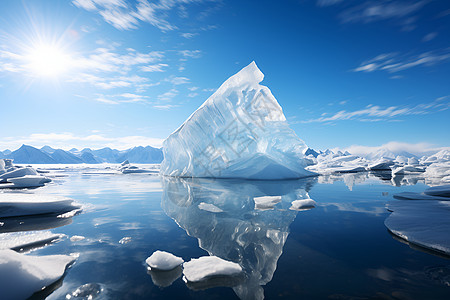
(48, 61)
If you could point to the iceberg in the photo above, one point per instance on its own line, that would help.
(238, 132)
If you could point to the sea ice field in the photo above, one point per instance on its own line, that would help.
(324, 237)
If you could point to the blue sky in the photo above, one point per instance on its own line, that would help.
(118, 73)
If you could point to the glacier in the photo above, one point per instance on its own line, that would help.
(238, 132)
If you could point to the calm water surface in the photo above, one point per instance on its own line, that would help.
(338, 250)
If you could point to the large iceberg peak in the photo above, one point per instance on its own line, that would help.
(238, 132)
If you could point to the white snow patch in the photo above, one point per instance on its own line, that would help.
(303, 204)
(164, 261)
(266, 202)
(207, 266)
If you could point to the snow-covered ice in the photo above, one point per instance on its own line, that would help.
(422, 222)
(239, 132)
(303, 204)
(198, 269)
(22, 275)
(19, 172)
(29, 181)
(164, 261)
(266, 202)
(21, 204)
(27, 240)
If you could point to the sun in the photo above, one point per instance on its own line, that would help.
(48, 60)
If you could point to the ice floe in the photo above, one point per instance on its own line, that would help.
(238, 132)
(23, 241)
(304, 204)
(422, 222)
(21, 204)
(165, 261)
(208, 266)
(23, 275)
(266, 202)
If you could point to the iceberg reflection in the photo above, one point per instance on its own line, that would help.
(233, 228)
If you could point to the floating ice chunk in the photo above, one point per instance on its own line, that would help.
(29, 181)
(164, 261)
(424, 223)
(239, 132)
(266, 202)
(209, 207)
(23, 275)
(27, 240)
(303, 204)
(18, 173)
(440, 191)
(208, 266)
(437, 171)
(15, 204)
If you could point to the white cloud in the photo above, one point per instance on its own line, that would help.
(178, 80)
(154, 68)
(429, 36)
(192, 95)
(124, 15)
(69, 140)
(371, 11)
(376, 113)
(190, 53)
(168, 96)
(188, 35)
(393, 62)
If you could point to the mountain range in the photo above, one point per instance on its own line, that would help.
(47, 155)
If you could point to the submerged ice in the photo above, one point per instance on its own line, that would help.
(239, 132)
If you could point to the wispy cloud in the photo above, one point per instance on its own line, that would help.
(68, 140)
(373, 113)
(121, 98)
(154, 68)
(177, 80)
(371, 11)
(126, 15)
(393, 62)
(168, 96)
